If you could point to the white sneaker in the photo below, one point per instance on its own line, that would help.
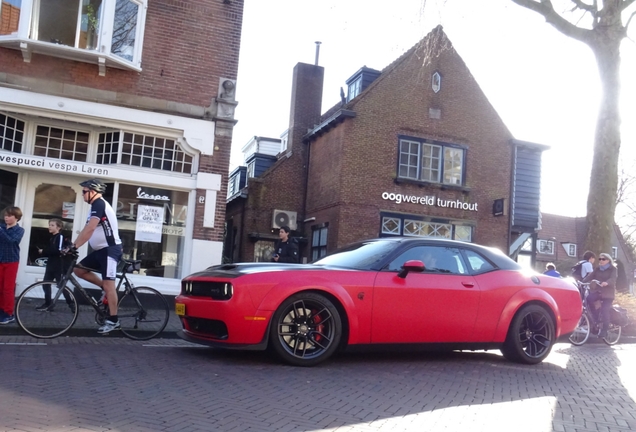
(108, 327)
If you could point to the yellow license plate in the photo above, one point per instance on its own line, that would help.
(179, 309)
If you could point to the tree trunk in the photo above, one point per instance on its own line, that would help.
(601, 201)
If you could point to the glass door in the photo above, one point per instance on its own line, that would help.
(48, 197)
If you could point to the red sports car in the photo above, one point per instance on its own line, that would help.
(434, 293)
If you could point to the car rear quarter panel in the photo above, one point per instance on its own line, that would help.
(505, 292)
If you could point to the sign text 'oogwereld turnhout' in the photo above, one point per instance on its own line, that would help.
(429, 200)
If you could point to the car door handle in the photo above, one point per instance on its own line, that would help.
(468, 284)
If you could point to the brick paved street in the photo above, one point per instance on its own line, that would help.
(114, 384)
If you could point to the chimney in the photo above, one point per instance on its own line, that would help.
(317, 52)
(306, 100)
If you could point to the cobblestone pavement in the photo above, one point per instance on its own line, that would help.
(115, 384)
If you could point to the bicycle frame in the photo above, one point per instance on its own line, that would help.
(70, 277)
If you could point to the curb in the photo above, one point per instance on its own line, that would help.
(83, 332)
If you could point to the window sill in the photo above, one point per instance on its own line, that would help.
(441, 186)
(28, 47)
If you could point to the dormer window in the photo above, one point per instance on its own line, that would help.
(354, 89)
(105, 32)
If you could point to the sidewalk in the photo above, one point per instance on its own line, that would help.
(85, 325)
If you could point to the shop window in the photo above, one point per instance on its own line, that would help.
(263, 251)
(11, 133)
(463, 233)
(57, 143)
(427, 229)
(111, 29)
(545, 247)
(318, 243)
(145, 151)
(391, 225)
(419, 226)
(431, 162)
(152, 226)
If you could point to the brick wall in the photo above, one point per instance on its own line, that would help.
(188, 45)
(352, 164)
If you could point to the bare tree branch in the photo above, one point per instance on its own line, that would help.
(578, 4)
(630, 19)
(546, 9)
(626, 3)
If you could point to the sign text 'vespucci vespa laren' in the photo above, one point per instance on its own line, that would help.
(429, 200)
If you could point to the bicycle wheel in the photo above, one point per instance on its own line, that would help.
(613, 334)
(581, 333)
(143, 313)
(51, 322)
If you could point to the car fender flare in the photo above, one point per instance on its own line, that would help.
(520, 299)
(321, 286)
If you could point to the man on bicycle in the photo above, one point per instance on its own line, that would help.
(102, 234)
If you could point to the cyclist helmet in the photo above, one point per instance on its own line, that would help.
(95, 185)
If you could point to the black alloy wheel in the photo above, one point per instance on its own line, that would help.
(306, 329)
(530, 336)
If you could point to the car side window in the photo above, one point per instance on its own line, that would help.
(478, 264)
(436, 259)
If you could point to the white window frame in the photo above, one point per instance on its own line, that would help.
(614, 252)
(570, 249)
(354, 88)
(543, 245)
(26, 40)
(447, 167)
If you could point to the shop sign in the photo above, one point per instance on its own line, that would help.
(62, 167)
(142, 194)
(429, 200)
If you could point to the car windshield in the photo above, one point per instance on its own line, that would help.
(360, 256)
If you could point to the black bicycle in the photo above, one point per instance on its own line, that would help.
(143, 311)
(589, 324)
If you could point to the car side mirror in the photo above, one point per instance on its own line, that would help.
(411, 266)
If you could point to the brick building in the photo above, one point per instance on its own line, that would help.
(560, 241)
(414, 149)
(138, 93)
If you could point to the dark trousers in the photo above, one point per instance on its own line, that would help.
(53, 276)
(606, 306)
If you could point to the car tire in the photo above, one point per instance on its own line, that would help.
(530, 336)
(306, 329)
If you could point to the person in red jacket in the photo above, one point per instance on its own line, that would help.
(10, 236)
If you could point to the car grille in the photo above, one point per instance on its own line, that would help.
(212, 328)
(214, 290)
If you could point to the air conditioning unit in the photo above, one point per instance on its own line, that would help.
(284, 217)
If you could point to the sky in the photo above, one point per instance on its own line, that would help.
(544, 85)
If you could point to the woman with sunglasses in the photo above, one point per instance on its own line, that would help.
(605, 290)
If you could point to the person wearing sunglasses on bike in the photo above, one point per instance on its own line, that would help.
(605, 290)
(102, 233)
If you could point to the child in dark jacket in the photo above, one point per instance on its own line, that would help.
(55, 263)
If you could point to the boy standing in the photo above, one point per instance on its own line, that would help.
(55, 267)
(10, 236)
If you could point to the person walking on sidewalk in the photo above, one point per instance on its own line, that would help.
(10, 236)
(55, 263)
(102, 233)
